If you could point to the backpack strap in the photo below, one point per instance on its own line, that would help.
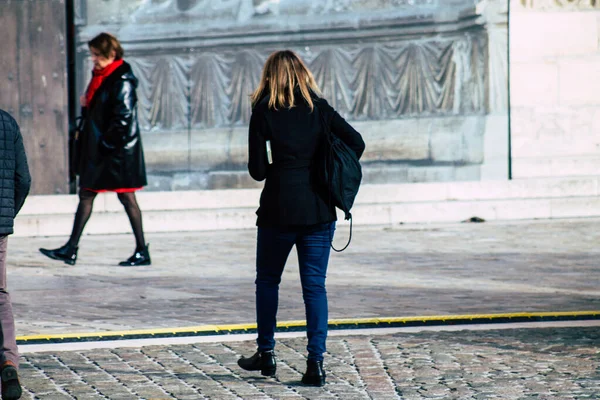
(348, 215)
(349, 239)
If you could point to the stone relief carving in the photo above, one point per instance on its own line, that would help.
(242, 10)
(198, 61)
(174, 10)
(213, 111)
(565, 4)
(163, 91)
(495, 13)
(367, 82)
(210, 88)
(207, 88)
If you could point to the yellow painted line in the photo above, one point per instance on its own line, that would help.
(156, 331)
(290, 324)
(428, 318)
(302, 323)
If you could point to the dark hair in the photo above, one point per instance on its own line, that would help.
(106, 43)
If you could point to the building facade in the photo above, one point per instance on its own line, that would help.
(425, 81)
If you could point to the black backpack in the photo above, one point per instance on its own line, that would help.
(338, 173)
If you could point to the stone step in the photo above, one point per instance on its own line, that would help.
(556, 166)
(387, 204)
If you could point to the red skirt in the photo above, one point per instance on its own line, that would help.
(124, 190)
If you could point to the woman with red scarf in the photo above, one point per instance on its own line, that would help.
(110, 146)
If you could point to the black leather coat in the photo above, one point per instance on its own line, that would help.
(111, 154)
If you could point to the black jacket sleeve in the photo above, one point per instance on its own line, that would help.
(257, 151)
(22, 176)
(343, 129)
(121, 115)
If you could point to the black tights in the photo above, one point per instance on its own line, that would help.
(135, 218)
(84, 210)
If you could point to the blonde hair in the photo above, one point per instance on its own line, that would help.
(283, 72)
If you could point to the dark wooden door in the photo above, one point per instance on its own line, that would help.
(33, 85)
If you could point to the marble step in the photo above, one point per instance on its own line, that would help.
(376, 204)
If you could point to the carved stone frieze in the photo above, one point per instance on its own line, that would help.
(399, 70)
(206, 18)
(241, 10)
(374, 81)
(560, 4)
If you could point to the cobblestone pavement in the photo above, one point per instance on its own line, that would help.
(208, 277)
(551, 363)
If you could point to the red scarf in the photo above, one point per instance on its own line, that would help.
(98, 75)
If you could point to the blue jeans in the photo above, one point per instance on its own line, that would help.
(273, 248)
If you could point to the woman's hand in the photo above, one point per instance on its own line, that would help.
(82, 100)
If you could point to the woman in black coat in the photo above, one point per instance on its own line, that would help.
(110, 150)
(286, 118)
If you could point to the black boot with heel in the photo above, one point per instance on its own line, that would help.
(139, 258)
(66, 253)
(315, 374)
(261, 361)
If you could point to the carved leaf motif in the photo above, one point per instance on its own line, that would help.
(443, 75)
(371, 82)
(390, 78)
(142, 68)
(163, 91)
(426, 79)
(246, 69)
(209, 100)
(332, 68)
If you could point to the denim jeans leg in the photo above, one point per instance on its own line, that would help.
(272, 250)
(313, 256)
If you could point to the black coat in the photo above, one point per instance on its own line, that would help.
(111, 145)
(15, 180)
(288, 198)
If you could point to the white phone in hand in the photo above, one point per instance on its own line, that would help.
(269, 155)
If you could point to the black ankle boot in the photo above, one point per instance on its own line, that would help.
(66, 253)
(11, 388)
(263, 361)
(140, 257)
(315, 374)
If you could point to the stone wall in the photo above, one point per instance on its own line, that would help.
(423, 80)
(555, 86)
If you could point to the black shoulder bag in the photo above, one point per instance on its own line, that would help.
(338, 174)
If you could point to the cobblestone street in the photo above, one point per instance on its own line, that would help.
(207, 278)
(560, 363)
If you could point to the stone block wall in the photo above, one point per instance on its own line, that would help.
(555, 87)
(430, 98)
